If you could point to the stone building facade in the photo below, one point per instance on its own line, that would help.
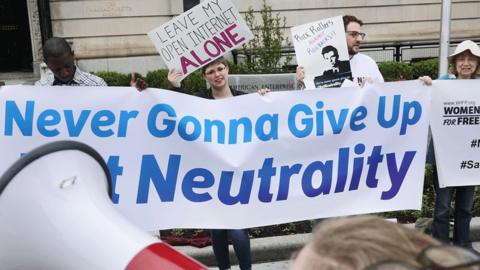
(111, 34)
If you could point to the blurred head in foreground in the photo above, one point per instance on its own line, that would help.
(368, 242)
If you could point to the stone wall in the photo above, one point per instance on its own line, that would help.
(111, 34)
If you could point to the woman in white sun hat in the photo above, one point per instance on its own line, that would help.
(464, 62)
(464, 65)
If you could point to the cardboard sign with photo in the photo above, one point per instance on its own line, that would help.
(200, 35)
(321, 48)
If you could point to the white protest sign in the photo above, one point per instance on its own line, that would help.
(321, 48)
(455, 122)
(179, 161)
(200, 35)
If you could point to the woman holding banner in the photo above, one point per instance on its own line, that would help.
(464, 65)
(216, 74)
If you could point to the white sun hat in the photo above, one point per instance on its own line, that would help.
(466, 45)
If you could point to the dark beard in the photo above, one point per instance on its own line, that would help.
(351, 52)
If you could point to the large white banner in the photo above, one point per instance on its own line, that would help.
(180, 161)
(455, 125)
(200, 35)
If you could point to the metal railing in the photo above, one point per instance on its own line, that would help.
(380, 52)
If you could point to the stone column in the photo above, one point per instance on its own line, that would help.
(35, 35)
(177, 7)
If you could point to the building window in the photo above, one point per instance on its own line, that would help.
(188, 4)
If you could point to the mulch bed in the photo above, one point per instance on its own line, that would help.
(201, 238)
(189, 238)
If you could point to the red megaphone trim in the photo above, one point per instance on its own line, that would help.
(162, 256)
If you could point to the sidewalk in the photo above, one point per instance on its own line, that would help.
(280, 248)
(14, 78)
(266, 249)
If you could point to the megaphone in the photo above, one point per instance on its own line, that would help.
(55, 213)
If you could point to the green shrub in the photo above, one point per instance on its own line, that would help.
(476, 204)
(194, 82)
(238, 69)
(113, 78)
(427, 67)
(158, 79)
(394, 71)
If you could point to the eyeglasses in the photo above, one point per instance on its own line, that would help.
(213, 70)
(435, 258)
(355, 34)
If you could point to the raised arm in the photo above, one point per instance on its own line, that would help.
(426, 80)
(174, 77)
(137, 82)
(300, 77)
